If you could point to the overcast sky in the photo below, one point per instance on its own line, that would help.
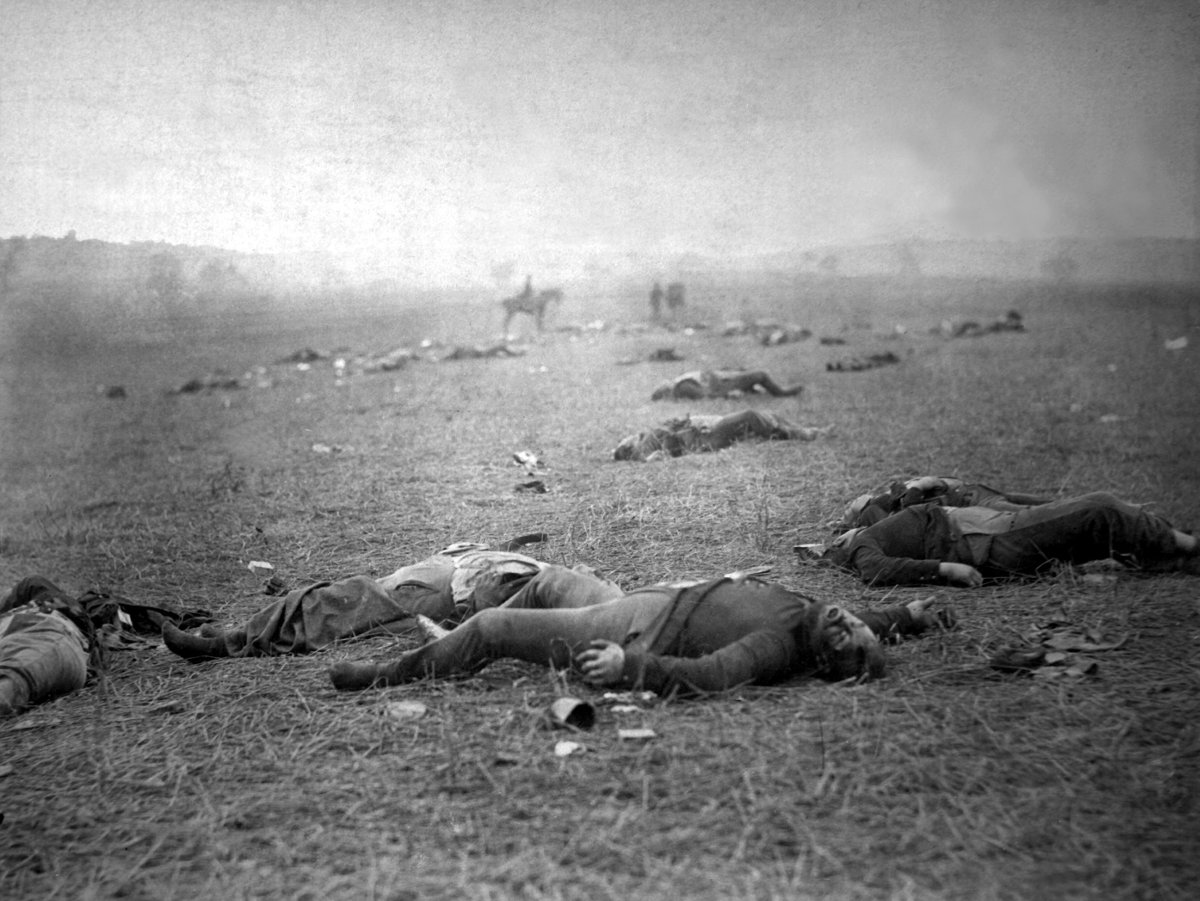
(444, 137)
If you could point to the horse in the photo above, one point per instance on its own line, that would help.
(531, 304)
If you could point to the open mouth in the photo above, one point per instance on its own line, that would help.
(842, 631)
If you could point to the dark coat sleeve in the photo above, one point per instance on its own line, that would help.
(891, 623)
(762, 657)
(876, 567)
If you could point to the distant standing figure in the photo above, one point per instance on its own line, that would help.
(656, 301)
(675, 297)
(711, 383)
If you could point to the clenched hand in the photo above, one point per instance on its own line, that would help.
(602, 663)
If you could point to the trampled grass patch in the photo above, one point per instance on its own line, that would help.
(254, 779)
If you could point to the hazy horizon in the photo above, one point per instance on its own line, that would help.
(454, 142)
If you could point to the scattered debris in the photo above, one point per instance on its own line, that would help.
(531, 463)
(515, 544)
(528, 459)
(628, 697)
(405, 710)
(29, 722)
(114, 392)
(1109, 418)
(260, 567)
(1176, 343)
(1052, 652)
(275, 586)
(832, 341)
(570, 713)
(567, 748)
(636, 734)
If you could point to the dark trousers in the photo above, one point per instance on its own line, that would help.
(1090, 527)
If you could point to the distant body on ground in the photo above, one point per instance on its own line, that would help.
(702, 384)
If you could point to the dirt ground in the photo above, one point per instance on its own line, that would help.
(945, 780)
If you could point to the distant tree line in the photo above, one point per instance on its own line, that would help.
(140, 278)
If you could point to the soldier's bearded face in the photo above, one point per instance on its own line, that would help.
(848, 646)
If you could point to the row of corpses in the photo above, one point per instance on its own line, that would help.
(342, 365)
(474, 604)
(674, 437)
(767, 332)
(967, 531)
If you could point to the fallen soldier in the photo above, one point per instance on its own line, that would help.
(50, 642)
(481, 352)
(701, 434)
(216, 382)
(450, 586)
(1012, 322)
(932, 543)
(690, 639)
(868, 509)
(784, 334)
(391, 361)
(860, 364)
(717, 383)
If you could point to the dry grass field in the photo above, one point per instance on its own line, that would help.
(255, 779)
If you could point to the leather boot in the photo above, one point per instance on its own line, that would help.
(192, 647)
(350, 676)
(14, 696)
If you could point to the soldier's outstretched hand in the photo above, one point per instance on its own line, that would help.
(602, 663)
(928, 615)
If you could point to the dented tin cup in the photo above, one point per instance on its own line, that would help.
(571, 713)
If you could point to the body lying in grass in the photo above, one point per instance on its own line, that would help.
(51, 641)
(930, 543)
(702, 434)
(702, 384)
(447, 587)
(691, 639)
(868, 509)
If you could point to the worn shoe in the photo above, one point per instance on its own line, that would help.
(192, 647)
(1019, 659)
(350, 676)
(14, 696)
(1190, 564)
